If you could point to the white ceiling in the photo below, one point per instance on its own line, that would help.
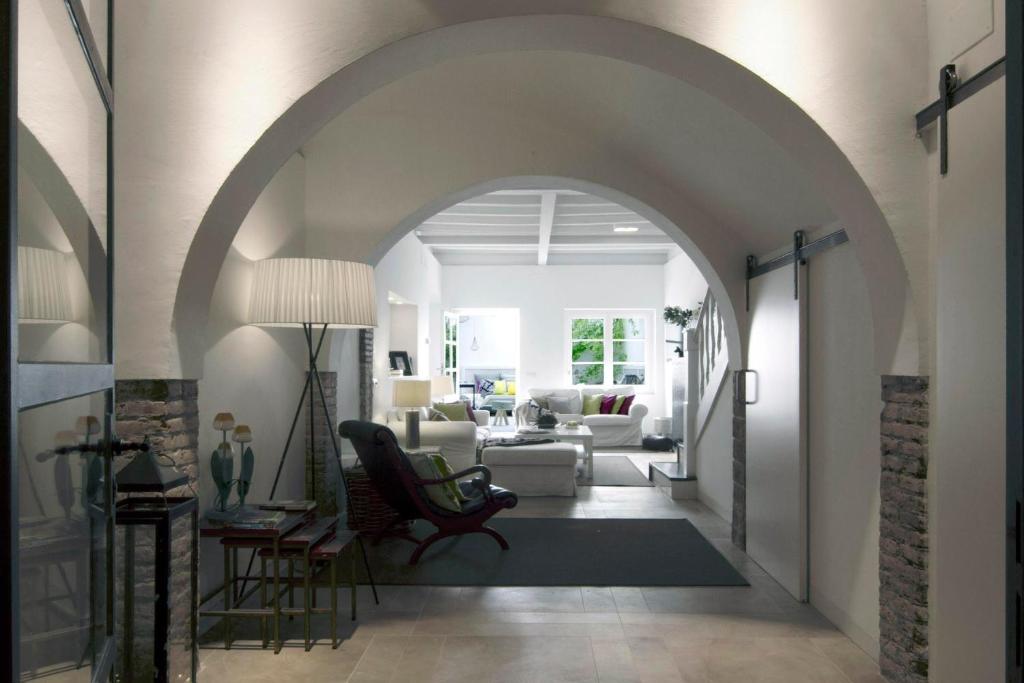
(543, 227)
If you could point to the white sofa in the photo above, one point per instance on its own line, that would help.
(457, 440)
(609, 430)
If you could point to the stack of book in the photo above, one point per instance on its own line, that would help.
(250, 518)
(289, 505)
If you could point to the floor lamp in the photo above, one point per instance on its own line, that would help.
(313, 294)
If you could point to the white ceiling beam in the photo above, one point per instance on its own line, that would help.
(547, 220)
(493, 241)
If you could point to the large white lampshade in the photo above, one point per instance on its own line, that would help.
(288, 292)
(411, 393)
(43, 286)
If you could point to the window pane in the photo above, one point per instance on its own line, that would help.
(629, 374)
(629, 328)
(588, 374)
(62, 540)
(588, 328)
(587, 351)
(628, 351)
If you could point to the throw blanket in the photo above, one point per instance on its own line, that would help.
(517, 441)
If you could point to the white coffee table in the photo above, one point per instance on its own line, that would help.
(580, 435)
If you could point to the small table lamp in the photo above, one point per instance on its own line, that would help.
(412, 393)
(441, 386)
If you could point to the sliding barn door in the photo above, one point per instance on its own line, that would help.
(776, 477)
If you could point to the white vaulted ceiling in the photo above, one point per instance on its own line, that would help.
(546, 227)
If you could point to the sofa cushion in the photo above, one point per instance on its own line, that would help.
(560, 404)
(456, 412)
(606, 420)
(540, 395)
(437, 416)
(607, 401)
(626, 405)
(592, 404)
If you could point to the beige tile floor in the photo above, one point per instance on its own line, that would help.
(579, 633)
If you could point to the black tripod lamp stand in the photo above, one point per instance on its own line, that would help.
(313, 294)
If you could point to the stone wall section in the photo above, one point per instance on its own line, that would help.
(903, 532)
(167, 412)
(320, 447)
(739, 461)
(366, 374)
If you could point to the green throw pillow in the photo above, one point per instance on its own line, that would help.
(441, 495)
(442, 465)
(456, 412)
(592, 404)
(618, 404)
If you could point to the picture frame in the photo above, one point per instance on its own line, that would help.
(400, 361)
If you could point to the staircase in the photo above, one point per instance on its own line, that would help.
(707, 366)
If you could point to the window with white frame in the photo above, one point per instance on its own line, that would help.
(610, 347)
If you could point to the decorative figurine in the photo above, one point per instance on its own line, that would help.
(242, 436)
(222, 462)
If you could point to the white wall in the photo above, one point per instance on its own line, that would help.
(497, 335)
(542, 293)
(843, 447)
(256, 373)
(410, 271)
(403, 332)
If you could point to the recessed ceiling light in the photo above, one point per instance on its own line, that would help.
(625, 228)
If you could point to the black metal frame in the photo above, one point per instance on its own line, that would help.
(30, 385)
(798, 257)
(161, 519)
(1014, 338)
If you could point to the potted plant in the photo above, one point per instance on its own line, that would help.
(674, 315)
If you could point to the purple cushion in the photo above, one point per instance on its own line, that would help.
(607, 401)
(624, 408)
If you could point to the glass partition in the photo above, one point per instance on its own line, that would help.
(62, 191)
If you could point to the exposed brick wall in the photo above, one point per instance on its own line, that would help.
(167, 411)
(320, 453)
(365, 374)
(903, 533)
(739, 461)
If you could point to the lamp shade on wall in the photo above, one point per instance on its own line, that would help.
(288, 292)
(43, 286)
(411, 393)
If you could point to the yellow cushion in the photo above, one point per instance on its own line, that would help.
(592, 404)
(500, 386)
(511, 387)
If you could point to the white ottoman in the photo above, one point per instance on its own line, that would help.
(547, 469)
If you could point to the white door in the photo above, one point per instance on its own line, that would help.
(776, 476)
(451, 346)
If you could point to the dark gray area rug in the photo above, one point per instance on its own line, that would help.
(561, 552)
(614, 470)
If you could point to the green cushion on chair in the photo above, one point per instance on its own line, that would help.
(445, 496)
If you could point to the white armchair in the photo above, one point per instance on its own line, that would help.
(457, 440)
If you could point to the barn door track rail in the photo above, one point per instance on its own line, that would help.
(951, 93)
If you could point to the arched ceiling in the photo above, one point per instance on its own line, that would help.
(461, 113)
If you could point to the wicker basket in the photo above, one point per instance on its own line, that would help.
(369, 512)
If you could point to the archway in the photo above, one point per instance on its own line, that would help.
(743, 91)
(715, 282)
